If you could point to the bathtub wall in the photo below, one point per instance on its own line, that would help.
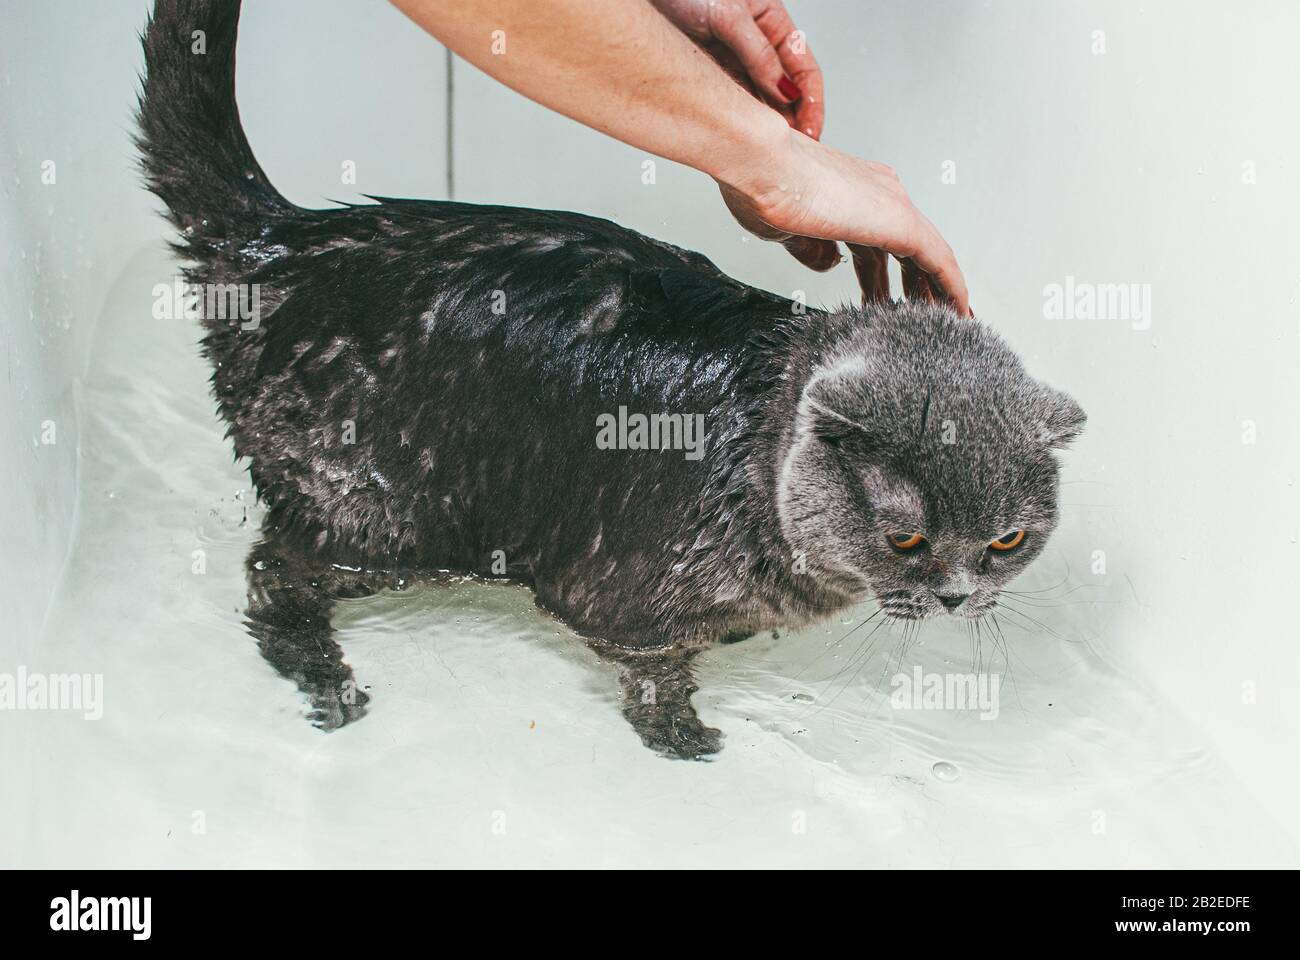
(340, 99)
(69, 218)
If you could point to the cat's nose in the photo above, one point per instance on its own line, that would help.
(952, 600)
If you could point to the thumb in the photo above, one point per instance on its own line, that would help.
(813, 253)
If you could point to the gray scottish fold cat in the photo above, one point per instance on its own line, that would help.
(425, 386)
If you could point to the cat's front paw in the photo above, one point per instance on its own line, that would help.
(689, 739)
(331, 711)
(675, 732)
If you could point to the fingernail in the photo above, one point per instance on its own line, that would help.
(788, 89)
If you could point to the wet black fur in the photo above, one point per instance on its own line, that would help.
(475, 431)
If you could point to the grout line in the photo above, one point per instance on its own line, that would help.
(451, 153)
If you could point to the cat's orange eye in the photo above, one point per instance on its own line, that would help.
(1009, 542)
(905, 541)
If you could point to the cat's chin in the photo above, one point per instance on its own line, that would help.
(936, 614)
(915, 607)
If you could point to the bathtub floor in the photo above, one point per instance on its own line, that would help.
(494, 737)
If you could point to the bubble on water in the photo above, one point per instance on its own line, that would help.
(945, 771)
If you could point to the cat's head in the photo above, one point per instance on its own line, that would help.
(921, 465)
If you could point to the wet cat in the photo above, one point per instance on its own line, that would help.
(425, 386)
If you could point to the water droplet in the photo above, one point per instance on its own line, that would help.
(945, 771)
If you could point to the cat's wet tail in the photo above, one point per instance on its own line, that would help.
(194, 152)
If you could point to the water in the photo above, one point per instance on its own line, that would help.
(494, 736)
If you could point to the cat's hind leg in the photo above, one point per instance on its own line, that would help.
(290, 602)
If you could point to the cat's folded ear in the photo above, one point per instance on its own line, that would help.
(1063, 419)
(833, 428)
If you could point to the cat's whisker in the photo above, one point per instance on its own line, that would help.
(1012, 622)
(1042, 603)
(996, 628)
(862, 657)
(1056, 586)
(884, 669)
(866, 641)
(997, 624)
(827, 648)
(1009, 610)
(1045, 594)
(913, 628)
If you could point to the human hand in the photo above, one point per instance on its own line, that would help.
(806, 196)
(822, 195)
(646, 85)
(757, 43)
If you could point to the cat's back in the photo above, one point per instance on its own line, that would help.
(362, 294)
(419, 272)
(413, 347)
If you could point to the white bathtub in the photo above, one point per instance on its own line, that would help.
(1147, 718)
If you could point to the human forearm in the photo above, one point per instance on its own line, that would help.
(617, 66)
